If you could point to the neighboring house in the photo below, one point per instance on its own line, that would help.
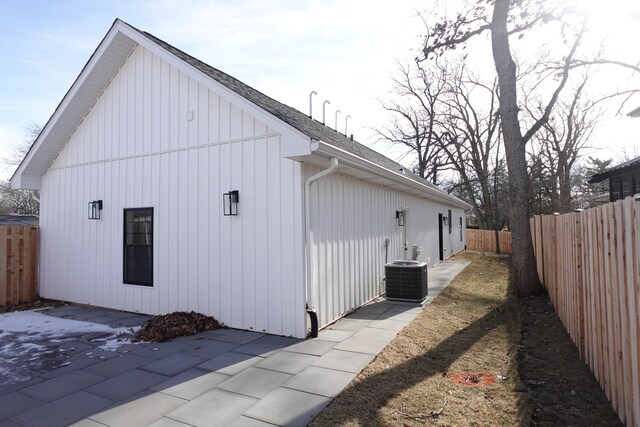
(624, 179)
(160, 146)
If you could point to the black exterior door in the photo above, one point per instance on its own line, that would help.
(441, 249)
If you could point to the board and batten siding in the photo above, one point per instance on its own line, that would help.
(136, 148)
(350, 220)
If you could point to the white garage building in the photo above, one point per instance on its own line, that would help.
(140, 168)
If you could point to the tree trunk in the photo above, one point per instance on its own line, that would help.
(565, 190)
(524, 265)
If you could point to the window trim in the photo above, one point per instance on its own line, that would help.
(124, 247)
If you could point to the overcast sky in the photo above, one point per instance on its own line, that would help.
(346, 50)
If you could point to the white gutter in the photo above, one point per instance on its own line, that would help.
(311, 292)
(354, 160)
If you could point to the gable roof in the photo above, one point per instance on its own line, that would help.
(625, 167)
(634, 113)
(105, 62)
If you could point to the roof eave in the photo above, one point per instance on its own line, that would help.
(37, 160)
(355, 161)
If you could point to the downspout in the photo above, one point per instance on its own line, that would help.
(311, 292)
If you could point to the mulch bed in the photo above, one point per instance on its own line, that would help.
(173, 325)
(559, 387)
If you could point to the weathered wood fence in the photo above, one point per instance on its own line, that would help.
(485, 241)
(18, 264)
(590, 263)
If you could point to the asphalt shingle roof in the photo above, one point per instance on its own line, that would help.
(298, 120)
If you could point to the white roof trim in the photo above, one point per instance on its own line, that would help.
(390, 178)
(104, 63)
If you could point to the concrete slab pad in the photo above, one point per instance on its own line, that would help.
(322, 381)
(334, 335)
(64, 411)
(344, 361)
(73, 363)
(63, 385)
(385, 335)
(155, 350)
(286, 407)
(255, 382)
(240, 337)
(190, 384)
(230, 363)
(167, 422)
(287, 362)
(87, 423)
(126, 384)
(401, 316)
(361, 345)
(116, 366)
(348, 324)
(173, 364)
(393, 325)
(140, 412)
(209, 348)
(74, 347)
(265, 346)
(216, 407)
(16, 403)
(11, 387)
(243, 421)
(137, 320)
(314, 347)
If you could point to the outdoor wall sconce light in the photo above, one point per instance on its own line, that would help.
(400, 217)
(95, 208)
(445, 221)
(230, 202)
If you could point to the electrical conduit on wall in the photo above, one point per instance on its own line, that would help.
(311, 292)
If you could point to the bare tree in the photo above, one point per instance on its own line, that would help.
(562, 140)
(414, 123)
(22, 202)
(504, 19)
(472, 140)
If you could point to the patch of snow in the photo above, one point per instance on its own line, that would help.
(30, 341)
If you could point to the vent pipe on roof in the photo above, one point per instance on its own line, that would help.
(324, 104)
(336, 120)
(351, 137)
(346, 122)
(313, 92)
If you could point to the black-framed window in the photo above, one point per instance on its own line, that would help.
(461, 229)
(450, 222)
(138, 246)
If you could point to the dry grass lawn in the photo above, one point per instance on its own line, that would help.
(473, 326)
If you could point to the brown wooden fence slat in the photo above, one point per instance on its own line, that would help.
(485, 241)
(18, 264)
(590, 264)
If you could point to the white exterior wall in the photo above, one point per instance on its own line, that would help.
(350, 219)
(135, 148)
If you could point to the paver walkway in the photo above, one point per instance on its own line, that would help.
(223, 377)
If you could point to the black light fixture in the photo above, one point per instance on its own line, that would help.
(400, 217)
(95, 209)
(230, 202)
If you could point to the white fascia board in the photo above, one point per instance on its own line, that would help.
(424, 190)
(25, 182)
(292, 139)
(15, 180)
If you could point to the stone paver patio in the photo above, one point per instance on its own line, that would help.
(223, 377)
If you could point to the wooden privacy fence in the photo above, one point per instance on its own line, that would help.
(590, 263)
(18, 264)
(485, 241)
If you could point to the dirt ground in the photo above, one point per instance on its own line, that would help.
(516, 364)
